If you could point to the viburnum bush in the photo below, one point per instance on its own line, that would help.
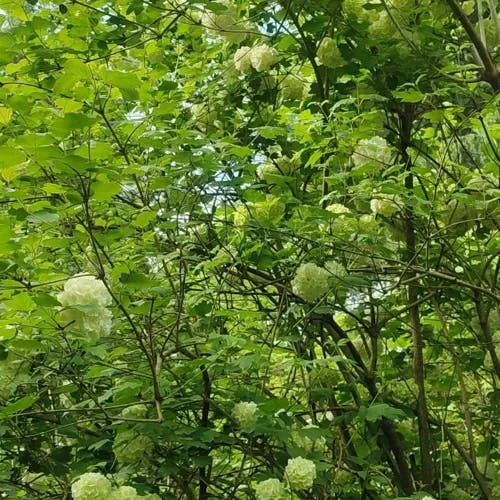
(249, 249)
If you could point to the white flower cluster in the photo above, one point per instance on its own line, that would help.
(328, 53)
(338, 209)
(300, 473)
(270, 489)
(131, 448)
(293, 87)
(87, 299)
(135, 411)
(309, 443)
(226, 25)
(245, 413)
(91, 486)
(125, 493)
(387, 206)
(203, 116)
(240, 216)
(95, 486)
(288, 165)
(427, 497)
(310, 282)
(374, 150)
(495, 491)
(260, 57)
(264, 170)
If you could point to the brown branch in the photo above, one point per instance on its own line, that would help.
(491, 73)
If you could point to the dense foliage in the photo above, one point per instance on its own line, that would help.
(249, 249)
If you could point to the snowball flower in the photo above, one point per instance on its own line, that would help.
(427, 497)
(328, 53)
(125, 493)
(383, 206)
(135, 411)
(262, 57)
(246, 415)
(270, 489)
(87, 298)
(288, 165)
(372, 150)
(269, 211)
(338, 208)
(300, 473)
(336, 269)
(130, 448)
(495, 491)
(226, 25)
(242, 61)
(203, 116)
(310, 282)
(91, 486)
(240, 216)
(266, 169)
(293, 87)
(309, 443)
(84, 290)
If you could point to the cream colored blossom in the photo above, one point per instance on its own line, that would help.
(242, 61)
(226, 25)
(310, 282)
(266, 169)
(336, 269)
(329, 54)
(338, 208)
(91, 486)
(86, 298)
(300, 473)
(293, 87)
(135, 411)
(125, 493)
(263, 57)
(309, 443)
(374, 150)
(132, 448)
(245, 414)
(268, 211)
(84, 290)
(203, 116)
(240, 216)
(270, 489)
(495, 491)
(288, 165)
(384, 206)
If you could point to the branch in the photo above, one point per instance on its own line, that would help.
(491, 74)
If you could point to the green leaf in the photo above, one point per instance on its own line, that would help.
(127, 82)
(377, 411)
(71, 122)
(10, 157)
(5, 115)
(409, 95)
(19, 406)
(104, 191)
(270, 132)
